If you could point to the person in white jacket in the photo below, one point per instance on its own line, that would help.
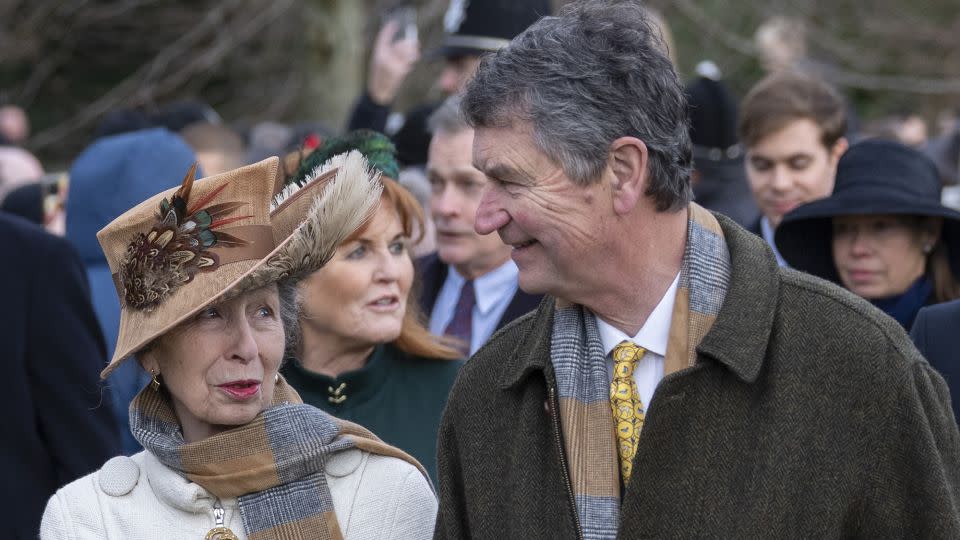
(207, 278)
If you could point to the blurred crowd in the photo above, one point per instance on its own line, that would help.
(396, 312)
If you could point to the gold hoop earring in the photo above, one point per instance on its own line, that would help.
(154, 382)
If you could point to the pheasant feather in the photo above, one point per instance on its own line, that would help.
(176, 248)
(346, 202)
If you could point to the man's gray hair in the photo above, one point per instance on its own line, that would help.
(448, 118)
(593, 74)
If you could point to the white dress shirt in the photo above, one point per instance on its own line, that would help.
(494, 291)
(767, 230)
(653, 336)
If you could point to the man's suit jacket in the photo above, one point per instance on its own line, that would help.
(57, 422)
(934, 334)
(432, 272)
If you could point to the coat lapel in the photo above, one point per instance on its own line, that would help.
(532, 353)
(750, 305)
(520, 304)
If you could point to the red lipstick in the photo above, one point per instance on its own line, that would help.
(241, 390)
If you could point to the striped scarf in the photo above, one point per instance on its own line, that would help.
(579, 364)
(273, 465)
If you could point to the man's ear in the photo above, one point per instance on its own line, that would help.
(838, 149)
(628, 173)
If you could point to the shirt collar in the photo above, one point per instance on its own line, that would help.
(767, 230)
(491, 287)
(654, 333)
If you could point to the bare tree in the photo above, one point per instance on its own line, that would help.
(68, 63)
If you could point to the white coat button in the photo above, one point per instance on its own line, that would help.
(119, 476)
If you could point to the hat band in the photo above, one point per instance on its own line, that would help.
(716, 153)
(482, 43)
(261, 244)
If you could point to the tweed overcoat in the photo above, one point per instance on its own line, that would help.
(808, 414)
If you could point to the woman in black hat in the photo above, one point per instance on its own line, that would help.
(882, 234)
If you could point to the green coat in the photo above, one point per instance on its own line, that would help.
(809, 414)
(398, 397)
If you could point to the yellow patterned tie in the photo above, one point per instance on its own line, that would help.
(626, 404)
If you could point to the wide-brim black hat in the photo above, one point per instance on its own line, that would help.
(874, 177)
(475, 27)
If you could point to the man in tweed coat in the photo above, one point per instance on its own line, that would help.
(675, 382)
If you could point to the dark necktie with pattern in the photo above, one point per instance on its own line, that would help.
(461, 325)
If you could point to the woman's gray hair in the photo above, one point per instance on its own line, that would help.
(289, 293)
(583, 79)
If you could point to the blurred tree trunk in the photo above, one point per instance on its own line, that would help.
(333, 63)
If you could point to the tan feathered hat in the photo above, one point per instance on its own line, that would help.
(211, 239)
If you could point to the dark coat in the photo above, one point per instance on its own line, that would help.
(397, 396)
(412, 139)
(57, 423)
(809, 414)
(934, 333)
(432, 272)
(722, 187)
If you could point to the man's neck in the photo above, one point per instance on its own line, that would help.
(473, 269)
(638, 272)
(324, 353)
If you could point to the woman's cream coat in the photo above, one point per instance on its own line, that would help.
(139, 497)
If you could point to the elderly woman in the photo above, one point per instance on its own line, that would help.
(205, 274)
(364, 355)
(882, 234)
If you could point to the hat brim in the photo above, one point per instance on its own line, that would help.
(138, 328)
(315, 223)
(703, 156)
(805, 236)
(449, 52)
(456, 45)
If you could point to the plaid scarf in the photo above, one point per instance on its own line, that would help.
(273, 465)
(579, 364)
